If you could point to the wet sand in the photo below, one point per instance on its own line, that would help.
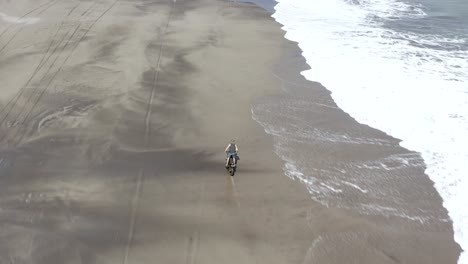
(395, 215)
(114, 122)
(414, 228)
(114, 118)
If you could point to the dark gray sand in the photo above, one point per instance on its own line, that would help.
(114, 118)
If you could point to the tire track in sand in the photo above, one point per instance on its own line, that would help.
(193, 240)
(42, 92)
(133, 213)
(52, 3)
(77, 28)
(12, 102)
(192, 249)
(156, 75)
(25, 15)
(141, 178)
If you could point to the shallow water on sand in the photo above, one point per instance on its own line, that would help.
(402, 70)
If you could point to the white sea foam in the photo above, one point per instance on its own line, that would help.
(390, 81)
(355, 186)
(19, 20)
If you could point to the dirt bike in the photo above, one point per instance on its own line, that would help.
(232, 164)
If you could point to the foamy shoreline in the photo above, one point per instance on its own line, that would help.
(420, 101)
(292, 28)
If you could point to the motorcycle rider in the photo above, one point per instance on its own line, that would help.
(231, 150)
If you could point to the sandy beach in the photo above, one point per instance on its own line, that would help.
(114, 119)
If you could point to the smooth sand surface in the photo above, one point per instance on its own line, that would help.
(114, 118)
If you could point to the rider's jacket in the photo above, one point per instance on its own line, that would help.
(231, 148)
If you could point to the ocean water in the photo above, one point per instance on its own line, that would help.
(397, 66)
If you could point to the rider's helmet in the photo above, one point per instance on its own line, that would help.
(233, 141)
